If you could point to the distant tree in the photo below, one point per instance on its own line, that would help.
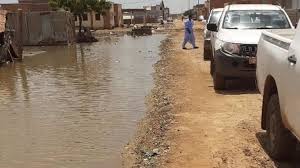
(80, 7)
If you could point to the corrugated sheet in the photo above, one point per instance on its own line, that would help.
(45, 28)
(2, 20)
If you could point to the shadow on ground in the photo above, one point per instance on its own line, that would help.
(239, 87)
(293, 163)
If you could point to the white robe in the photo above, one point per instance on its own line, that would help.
(189, 33)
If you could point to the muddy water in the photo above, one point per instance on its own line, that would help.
(74, 106)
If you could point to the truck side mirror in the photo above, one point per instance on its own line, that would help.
(212, 27)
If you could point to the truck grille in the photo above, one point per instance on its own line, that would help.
(248, 50)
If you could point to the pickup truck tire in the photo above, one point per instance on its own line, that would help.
(212, 67)
(207, 54)
(219, 81)
(281, 144)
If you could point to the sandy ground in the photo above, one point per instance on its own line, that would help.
(189, 125)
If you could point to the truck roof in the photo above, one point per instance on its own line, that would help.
(218, 9)
(253, 7)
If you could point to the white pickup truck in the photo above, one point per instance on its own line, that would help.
(235, 38)
(278, 77)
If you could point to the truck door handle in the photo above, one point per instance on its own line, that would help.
(292, 59)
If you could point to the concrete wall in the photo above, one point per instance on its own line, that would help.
(294, 15)
(98, 24)
(45, 28)
(109, 19)
(153, 15)
(28, 7)
(118, 14)
(295, 4)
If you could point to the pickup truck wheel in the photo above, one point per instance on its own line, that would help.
(207, 54)
(212, 67)
(219, 81)
(281, 142)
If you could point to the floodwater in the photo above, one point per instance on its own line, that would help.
(76, 106)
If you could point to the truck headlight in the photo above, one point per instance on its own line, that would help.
(231, 48)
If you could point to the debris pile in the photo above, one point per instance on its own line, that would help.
(142, 31)
(86, 36)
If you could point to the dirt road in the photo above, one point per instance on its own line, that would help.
(201, 128)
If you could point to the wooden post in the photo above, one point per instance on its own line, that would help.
(145, 17)
(92, 19)
(131, 17)
(19, 34)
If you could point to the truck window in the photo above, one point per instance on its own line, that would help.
(215, 16)
(250, 19)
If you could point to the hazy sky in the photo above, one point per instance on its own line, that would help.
(176, 6)
(8, 1)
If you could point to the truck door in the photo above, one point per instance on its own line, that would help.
(292, 82)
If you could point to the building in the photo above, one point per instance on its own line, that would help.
(149, 14)
(295, 4)
(200, 10)
(162, 11)
(91, 20)
(134, 16)
(154, 13)
(166, 13)
(95, 21)
(293, 11)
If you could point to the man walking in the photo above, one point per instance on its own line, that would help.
(189, 33)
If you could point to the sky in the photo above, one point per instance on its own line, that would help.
(8, 1)
(176, 6)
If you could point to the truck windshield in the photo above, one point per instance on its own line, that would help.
(215, 16)
(250, 19)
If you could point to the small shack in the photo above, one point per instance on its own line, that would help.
(45, 28)
(10, 49)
